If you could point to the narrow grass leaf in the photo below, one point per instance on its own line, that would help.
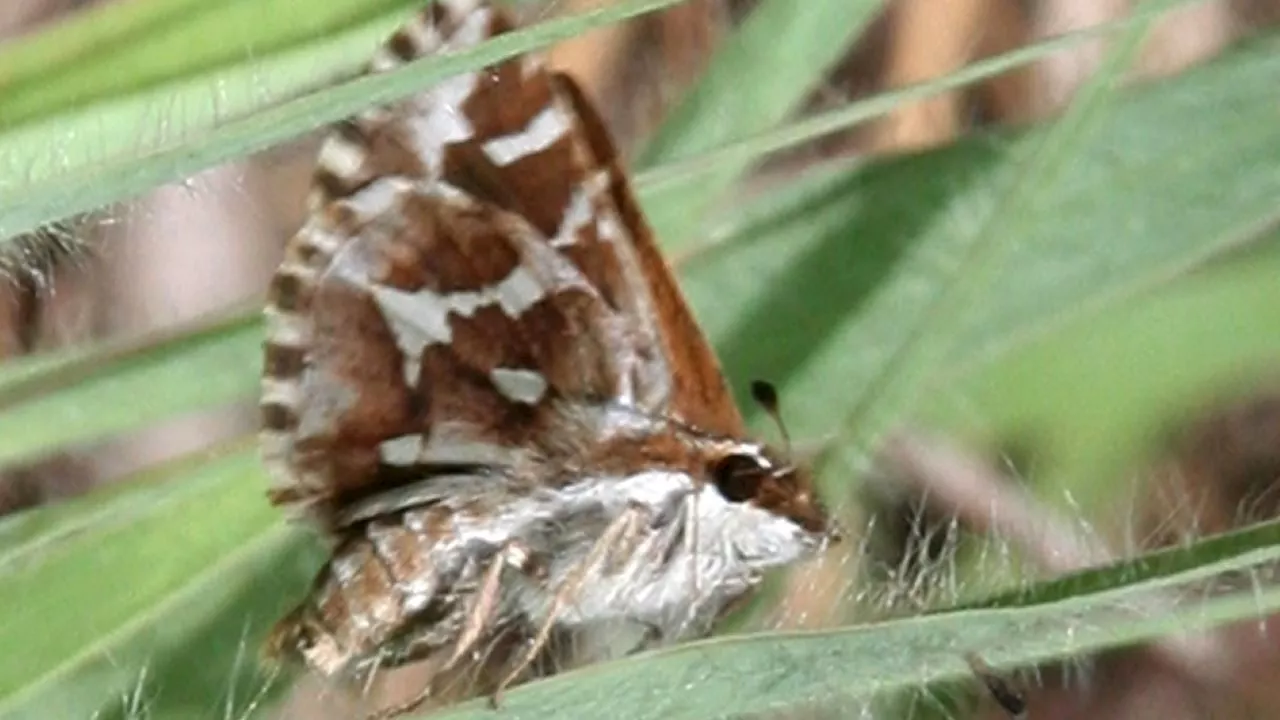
(177, 141)
(120, 49)
(759, 77)
(130, 600)
(129, 387)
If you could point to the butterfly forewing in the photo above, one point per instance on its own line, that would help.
(473, 253)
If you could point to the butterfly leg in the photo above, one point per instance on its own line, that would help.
(483, 603)
(691, 520)
(682, 518)
(478, 618)
(619, 533)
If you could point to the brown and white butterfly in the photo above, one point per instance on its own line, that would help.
(482, 382)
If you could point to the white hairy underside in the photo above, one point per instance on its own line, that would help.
(693, 553)
(689, 553)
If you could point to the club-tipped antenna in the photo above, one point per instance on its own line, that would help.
(766, 396)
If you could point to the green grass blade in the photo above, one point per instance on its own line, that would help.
(910, 367)
(119, 49)
(166, 583)
(87, 158)
(817, 287)
(129, 387)
(756, 80)
(1095, 401)
(669, 183)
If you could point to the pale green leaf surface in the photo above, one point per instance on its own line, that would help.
(747, 90)
(847, 667)
(818, 290)
(1096, 398)
(124, 134)
(129, 389)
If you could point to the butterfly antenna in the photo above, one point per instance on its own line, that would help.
(766, 396)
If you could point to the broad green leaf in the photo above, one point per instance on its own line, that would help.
(963, 287)
(816, 288)
(1095, 398)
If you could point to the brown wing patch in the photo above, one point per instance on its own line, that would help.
(438, 321)
(463, 391)
(446, 247)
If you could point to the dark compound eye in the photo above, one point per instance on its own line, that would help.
(738, 477)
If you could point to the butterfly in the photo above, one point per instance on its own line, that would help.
(481, 382)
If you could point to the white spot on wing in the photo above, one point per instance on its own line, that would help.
(524, 386)
(448, 448)
(379, 197)
(286, 328)
(403, 450)
(422, 318)
(519, 291)
(304, 274)
(610, 228)
(542, 131)
(619, 418)
(320, 239)
(577, 215)
(275, 445)
(426, 37)
(435, 118)
(281, 392)
(474, 27)
(341, 157)
(383, 60)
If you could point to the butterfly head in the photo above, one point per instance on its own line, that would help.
(758, 475)
(772, 480)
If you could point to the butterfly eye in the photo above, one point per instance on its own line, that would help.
(738, 477)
